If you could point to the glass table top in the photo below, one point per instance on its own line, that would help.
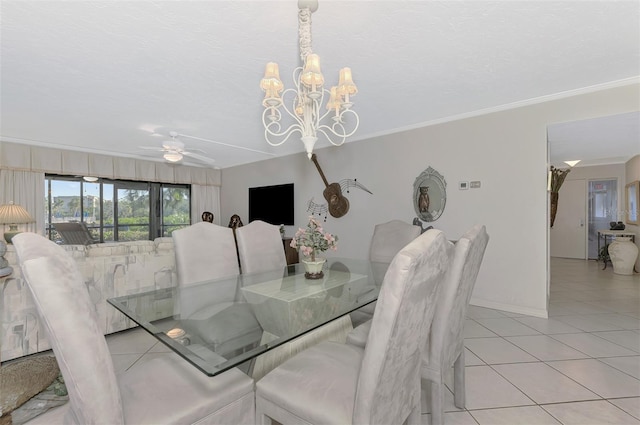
(220, 324)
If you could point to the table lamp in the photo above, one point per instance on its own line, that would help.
(13, 215)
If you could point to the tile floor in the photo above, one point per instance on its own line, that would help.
(579, 366)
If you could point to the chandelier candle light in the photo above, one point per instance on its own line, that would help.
(304, 103)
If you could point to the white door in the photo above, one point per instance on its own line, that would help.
(569, 232)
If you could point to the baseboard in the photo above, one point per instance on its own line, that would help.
(535, 312)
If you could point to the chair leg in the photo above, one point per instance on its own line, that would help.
(437, 402)
(458, 381)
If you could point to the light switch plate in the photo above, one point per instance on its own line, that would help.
(475, 184)
(463, 185)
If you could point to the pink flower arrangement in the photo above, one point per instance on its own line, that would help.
(313, 239)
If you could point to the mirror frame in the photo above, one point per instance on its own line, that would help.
(632, 198)
(437, 196)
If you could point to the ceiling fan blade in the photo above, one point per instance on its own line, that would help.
(149, 148)
(199, 157)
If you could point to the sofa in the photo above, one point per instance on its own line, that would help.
(109, 270)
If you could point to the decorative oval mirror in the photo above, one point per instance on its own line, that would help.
(429, 195)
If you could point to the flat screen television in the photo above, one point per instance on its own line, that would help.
(273, 204)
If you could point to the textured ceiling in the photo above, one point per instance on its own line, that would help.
(111, 76)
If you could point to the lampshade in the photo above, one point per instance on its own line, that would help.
(572, 163)
(346, 84)
(14, 214)
(311, 75)
(271, 80)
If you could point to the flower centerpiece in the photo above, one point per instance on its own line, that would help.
(311, 242)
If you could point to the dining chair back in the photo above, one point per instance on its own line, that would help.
(204, 251)
(399, 330)
(96, 393)
(379, 384)
(221, 319)
(446, 340)
(260, 247)
(387, 240)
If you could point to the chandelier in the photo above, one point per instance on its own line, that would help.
(304, 104)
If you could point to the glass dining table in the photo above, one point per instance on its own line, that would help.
(224, 323)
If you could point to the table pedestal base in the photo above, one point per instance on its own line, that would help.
(336, 330)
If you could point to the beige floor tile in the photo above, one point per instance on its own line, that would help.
(497, 350)
(629, 405)
(547, 326)
(544, 348)
(486, 389)
(629, 365)
(526, 415)
(627, 339)
(593, 345)
(590, 413)
(543, 384)
(599, 377)
(507, 326)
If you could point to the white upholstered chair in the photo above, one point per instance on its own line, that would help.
(204, 251)
(387, 240)
(446, 341)
(445, 346)
(160, 389)
(260, 247)
(379, 384)
(207, 251)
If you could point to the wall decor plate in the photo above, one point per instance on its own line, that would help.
(429, 195)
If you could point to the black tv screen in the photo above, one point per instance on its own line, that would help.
(273, 204)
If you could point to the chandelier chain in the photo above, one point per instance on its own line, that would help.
(304, 32)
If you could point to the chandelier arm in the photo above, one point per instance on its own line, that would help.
(322, 130)
(339, 124)
(289, 131)
(355, 126)
(291, 112)
(273, 129)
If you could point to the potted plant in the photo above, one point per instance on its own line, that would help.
(311, 242)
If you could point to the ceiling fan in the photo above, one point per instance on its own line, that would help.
(174, 151)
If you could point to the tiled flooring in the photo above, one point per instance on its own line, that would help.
(581, 366)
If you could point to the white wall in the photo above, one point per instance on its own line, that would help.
(632, 173)
(506, 151)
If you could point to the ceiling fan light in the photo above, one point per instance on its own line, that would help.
(173, 156)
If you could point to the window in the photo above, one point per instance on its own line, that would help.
(116, 210)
